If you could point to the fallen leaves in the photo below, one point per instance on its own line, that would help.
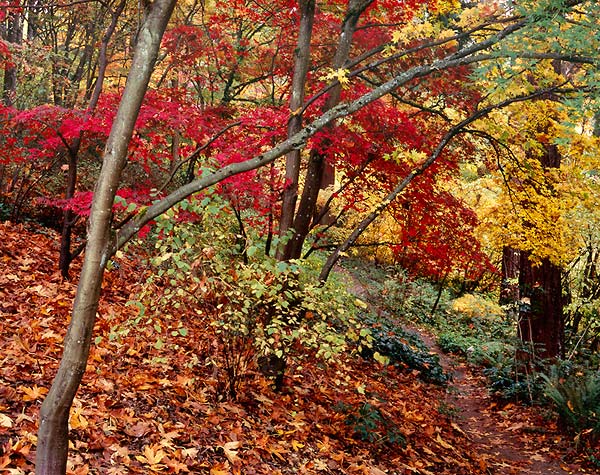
(146, 410)
(33, 393)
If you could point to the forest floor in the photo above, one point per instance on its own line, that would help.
(153, 397)
(510, 438)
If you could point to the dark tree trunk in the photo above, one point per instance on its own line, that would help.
(541, 323)
(509, 289)
(510, 275)
(541, 318)
(69, 217)
(13, 34)
(292, 159)
(316, 175)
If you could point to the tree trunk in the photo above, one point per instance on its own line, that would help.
(52, 449)
(69, 218)
(317, 164)
(14, 35)
(292, 159)
(541, 322)
(509, 288)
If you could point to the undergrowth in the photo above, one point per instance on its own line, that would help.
(261, 312)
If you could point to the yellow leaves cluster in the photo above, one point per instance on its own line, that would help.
(471, 17)
(415, 31)
(339, 75)
(533, 213)
(476, 306)
(445, 7)
(539, 210)
(427, 25)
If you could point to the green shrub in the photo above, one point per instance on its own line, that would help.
(413, 300)
(258, 308)
(403, 349)
(476, 350)
(576, 398)
(511, 379)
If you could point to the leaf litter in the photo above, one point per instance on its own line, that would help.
(144, 408)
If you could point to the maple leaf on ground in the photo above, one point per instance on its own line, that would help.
(5, 421)
(33, 393)
(219, 469)
(230, 450)
(152, 457)
(139, 429)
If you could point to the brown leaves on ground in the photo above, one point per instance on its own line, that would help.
(146, 407)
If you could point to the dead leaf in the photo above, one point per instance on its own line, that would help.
(297, 445)
(138, 430)
(376, 471)
(230, 450)
(77, 420)
(33, 393)
(151, 456)
(219, 469)
(5, 421)
(444, 444)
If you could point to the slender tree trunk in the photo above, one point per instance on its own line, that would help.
(14, 35)
(69, 218)
(317, 163)
(292, 158)
(509, 290)
(52, 449)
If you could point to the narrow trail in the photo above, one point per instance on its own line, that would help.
(503, 433)
(508, 437)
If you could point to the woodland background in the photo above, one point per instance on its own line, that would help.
(259, 204)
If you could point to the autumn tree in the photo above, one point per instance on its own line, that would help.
(431, 53)
(51, 455)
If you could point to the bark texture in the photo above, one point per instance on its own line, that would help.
(292, 159)
(52, 449)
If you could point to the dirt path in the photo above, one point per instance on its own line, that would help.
(511, 439)
(503, 434)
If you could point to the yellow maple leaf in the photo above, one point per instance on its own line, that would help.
(151, 456)
(219, 469)
(297, 445)
(5, 421)
(33, 393)
(230, 450)
(77, 420)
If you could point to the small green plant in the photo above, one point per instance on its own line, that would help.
(448, 410)
(403, 349)
(576, 398)
(369, 424)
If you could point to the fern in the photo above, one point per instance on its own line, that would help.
(576, 399)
